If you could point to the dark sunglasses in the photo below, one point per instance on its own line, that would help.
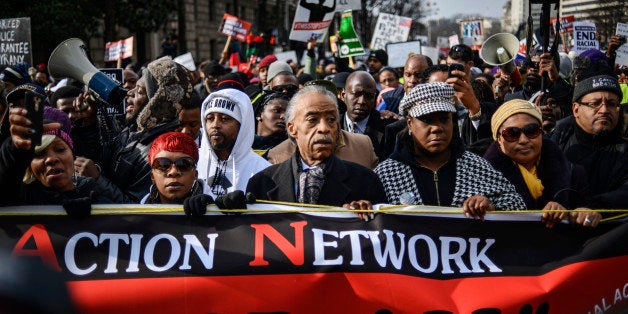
(512, 134)
(289, 89)
(184, 164)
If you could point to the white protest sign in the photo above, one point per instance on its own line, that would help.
(286, 55)
(312, 20)
(343, 5)
(431, 52)
(398, 52)
(442, 42)
(390, 29)
(622, 52)
(584, 34)
(186, 60)
(453, 40)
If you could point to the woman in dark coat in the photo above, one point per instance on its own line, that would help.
(44, 174)
(539, 170)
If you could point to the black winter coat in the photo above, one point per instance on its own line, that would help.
(563, 182)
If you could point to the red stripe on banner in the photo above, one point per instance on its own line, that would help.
(593, 286)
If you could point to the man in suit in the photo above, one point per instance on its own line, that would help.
(360, 95)
(350, 147)
(314, 175)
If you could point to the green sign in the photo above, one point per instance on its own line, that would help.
(350, 45)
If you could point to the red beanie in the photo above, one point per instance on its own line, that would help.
(176, 142)
(266, 61)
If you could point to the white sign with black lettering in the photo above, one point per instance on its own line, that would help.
(622, 52)
(584, 34)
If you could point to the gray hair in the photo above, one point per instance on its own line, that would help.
(291, 109)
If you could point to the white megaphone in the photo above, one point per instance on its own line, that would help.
(501, 50)
(69, 59)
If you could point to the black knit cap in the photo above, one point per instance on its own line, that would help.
(380, 55)
(596, 83)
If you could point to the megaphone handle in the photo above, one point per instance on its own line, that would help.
(515, 77)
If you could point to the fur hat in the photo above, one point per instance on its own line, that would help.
(168, 86)
(428, 98)
(510, 108)
(277, 68)
(596, 83)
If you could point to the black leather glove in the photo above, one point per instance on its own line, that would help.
(196, 206)
(234, 200)
(79, 207)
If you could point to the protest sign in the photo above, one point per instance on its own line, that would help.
(116, 74)
(287, 55)
(186, 60)
(344, 5)
(15, 41)
(621, 55)
(312, 19)
(585, 37)
(234, 27)
(566, 24)
(474, 30)
(350, 45)
(323, 263)
(390, 29)
(398, 52)
(118, 50)
(442, 42)
(431, 52)
(454, 40)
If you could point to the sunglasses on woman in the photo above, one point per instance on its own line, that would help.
(163, 165)
(513, 133)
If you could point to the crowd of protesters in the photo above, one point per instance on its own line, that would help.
(328, 133)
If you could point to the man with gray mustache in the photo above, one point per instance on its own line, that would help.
(314, 175)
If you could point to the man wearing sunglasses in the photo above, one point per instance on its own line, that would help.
(281, 79)
(592, 138)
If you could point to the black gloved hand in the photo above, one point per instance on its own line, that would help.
(196, 206)
(79, 207)
(232, 200)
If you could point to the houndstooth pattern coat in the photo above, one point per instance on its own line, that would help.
(474, 176)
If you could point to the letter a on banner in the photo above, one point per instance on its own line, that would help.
(43, 246)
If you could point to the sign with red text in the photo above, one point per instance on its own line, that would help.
(566, 24)
(296, 262)
(122, 49)
(312, 20)
(233, 26)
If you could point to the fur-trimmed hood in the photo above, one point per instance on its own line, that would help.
(168, 87)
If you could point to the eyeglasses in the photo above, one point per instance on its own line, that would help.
(288, 89)
(163, 165)
(597, 105)
(512, 134)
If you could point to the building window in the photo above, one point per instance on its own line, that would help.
(212, 10)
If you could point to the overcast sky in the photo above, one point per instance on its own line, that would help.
(483, 8)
